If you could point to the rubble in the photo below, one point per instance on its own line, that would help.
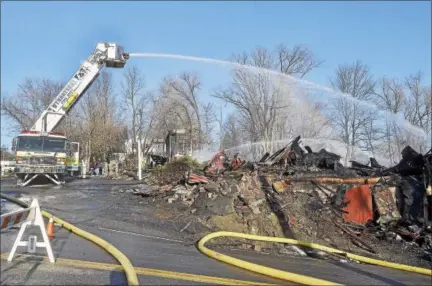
(308, 196)
(385, 199)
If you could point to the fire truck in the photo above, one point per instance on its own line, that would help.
(42, 152)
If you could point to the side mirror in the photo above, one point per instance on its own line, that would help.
(14, 143)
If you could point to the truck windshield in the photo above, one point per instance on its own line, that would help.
(29, 143)
(47, 144)
(53, 144)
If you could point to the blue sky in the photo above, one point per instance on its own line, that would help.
(51, 39)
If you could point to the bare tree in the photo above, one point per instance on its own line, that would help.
(220, 121)
(260, 98)
(410, 98)
(184, 90)
(93, 122)
(152, 122)
(296, 61)
(350, 118)
(110, 128)
(390, 96)
(231, 132)
(27, 104)
(417, 110)
(208, 117)
(101, 131)
(307, 120)
(134, 99)
(253, 94)
(171, 116)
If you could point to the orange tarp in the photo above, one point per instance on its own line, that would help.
(358, 202)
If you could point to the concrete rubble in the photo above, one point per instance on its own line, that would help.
(307, 196)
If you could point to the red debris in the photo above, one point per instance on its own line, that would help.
(194, 179)
(216, 163)
(358, 207)
(236, 163)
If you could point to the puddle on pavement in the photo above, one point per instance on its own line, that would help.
(6, 206)
(74, 194)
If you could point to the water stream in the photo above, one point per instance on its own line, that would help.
(256, 150)
(301, 83)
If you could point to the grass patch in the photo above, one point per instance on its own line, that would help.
(187, 160)
(175, 170)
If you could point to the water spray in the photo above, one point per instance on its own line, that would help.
(296, 81)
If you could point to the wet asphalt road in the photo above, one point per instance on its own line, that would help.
(128, 224)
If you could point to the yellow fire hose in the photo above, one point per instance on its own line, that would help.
(272, 272)
(131, 275)
(296, 278)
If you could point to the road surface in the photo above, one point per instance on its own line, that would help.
(129, 224)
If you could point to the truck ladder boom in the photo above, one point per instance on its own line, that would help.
(105, 55)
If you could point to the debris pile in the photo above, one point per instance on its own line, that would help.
(309, 196)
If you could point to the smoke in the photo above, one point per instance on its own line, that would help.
(206, 153)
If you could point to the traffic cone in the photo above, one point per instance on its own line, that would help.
(50, 229)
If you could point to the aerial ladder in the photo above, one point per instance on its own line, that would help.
(40, 151)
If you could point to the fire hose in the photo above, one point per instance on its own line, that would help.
(131, 275)
(288, 276)
(268, 271)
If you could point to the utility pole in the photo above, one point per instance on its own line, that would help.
(139, 157)
(83, 169)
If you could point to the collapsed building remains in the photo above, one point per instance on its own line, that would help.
(308, 195)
